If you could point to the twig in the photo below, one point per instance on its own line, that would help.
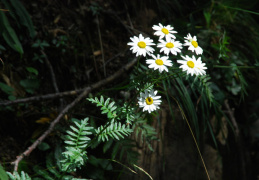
(42, 97)
(101, 44)
(232, 118)
(116, 17)
(238, 141)
(53, 77)
(49, 96)
(128, 16)
(68, 107)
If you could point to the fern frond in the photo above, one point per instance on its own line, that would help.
(77, 137)
(17, 176)
(107, 107)
(74, 158)
(130, 113)
(114, 131)
(77, 141)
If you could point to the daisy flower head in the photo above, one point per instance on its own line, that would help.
(159, 63)
(149, 101)
(164, 31)
(141, 45)
(192, 66)
(170, 46)
(193, 44)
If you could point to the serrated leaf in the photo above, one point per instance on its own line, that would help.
(74, 129)
(82, 146)
(107, 102)
(113, 135)
(104, 111)
(101, 100)
(84, 138)
(86, 133)
(71, 133)
(70, 142)
(111, 104)
(113, 108)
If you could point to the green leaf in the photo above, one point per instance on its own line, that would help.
(70, 143)
(7, 89)
(32, 70)
(9, 34)
(43, 146)
(11, 98)
(71, 133)
(24, 17)
(51, 166)
(3, 175)
(42, 172)
(107, 102)
(30, 85)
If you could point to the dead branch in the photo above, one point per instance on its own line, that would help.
(53, 77)
(240, 150)
(68, 107)
(232, 118)
(42, 97)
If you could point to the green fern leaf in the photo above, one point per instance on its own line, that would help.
(114, 130)
(77, 141)
(107, 107)
(17, 176)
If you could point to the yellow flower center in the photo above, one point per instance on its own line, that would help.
(149, 100)
(190, 64)
(165, 31)
(142, 44)
(169, 45)
(159, 62)
(195, 44)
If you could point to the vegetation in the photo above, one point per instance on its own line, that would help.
(71, 89)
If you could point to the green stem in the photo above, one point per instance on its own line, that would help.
(217, 66)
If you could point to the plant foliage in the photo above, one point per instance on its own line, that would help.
(77, 140)
(17, 176)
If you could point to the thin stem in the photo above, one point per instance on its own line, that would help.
(193, 138)
(101, 44)
(218, 66)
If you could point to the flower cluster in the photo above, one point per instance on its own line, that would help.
(167, 45)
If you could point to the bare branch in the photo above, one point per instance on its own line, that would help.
(68, 107)
(53, 77)
(232, 118)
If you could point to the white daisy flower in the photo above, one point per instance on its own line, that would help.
(159, 63)
(193, 44)
(149, 101)
(141, 45)
(192, 66)
(170, 46)
(164, 31)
